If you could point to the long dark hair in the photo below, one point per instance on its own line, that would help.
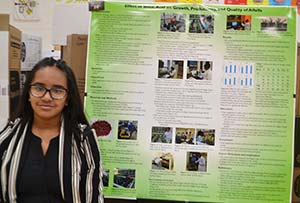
(73, 113)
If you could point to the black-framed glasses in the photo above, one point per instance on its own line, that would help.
(55, 92)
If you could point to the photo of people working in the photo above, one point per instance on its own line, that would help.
(201, 24)
(172, 22)
(170, 69)
(163, 161)
(239, 22)
(124, 178)
(199, 70)
(161, 135)
(196, 161)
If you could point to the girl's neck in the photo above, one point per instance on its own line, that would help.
(46, 129)
(46, 124)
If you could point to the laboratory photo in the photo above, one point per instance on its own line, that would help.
(201, 24)
(127, 130)
(162, 135)
(162, 161)
(170, 69)
(196, 161)
(205, 137)
(239, 22)
(172, 22)
(124, 178)
(199, 70)
(185, 136)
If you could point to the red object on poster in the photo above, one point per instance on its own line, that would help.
(102, 128)
(236, 2)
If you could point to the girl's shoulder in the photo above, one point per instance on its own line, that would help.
(7, 133)
(86, 131)
(88, 135)
(9, 126)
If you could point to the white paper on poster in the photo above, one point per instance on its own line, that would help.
(26, 10)
(31, 51)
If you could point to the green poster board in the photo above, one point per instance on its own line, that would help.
(193, 102)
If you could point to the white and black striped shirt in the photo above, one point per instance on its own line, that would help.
(79, 164)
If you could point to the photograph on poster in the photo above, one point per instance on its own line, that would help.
(185, 136)
(103, 128)
(199, 70)
(163, 161)
(162, 135)
(170, 69)
(127, 129)
(105, 177)
(239, 22)
(201, 23)
(273, 23)
(196, 161)
(205, 137)
(172, 22)
(124, 178)
(96, 6)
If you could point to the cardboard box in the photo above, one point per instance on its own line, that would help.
(75, 53)
(10, 43)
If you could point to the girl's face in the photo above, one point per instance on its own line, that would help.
(48, 103)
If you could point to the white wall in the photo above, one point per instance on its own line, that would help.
(48, 11)
(75, 22)
(42, 28)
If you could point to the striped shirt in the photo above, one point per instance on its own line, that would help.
(79, 164)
